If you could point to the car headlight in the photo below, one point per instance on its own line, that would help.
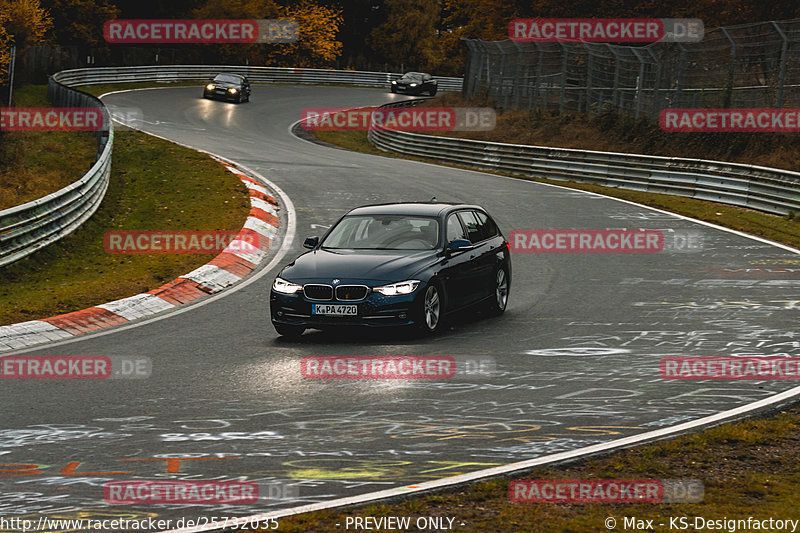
(232, 90)
(413, 85)
(210, 87)
(394, 82)
(402, 287)
(285, 287)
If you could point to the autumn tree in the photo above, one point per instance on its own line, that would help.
(316, 45)
(237, 54)
(26, 20)
(5, 46)
(80, 22)
(410, 34)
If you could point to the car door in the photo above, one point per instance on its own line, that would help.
(482, 258)
(456, 275)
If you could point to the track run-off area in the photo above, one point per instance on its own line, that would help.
(575, 357)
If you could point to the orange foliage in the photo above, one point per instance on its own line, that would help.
(316, 44)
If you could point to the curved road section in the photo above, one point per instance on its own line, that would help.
(574, 361)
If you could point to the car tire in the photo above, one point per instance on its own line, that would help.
(432, 92)
(393, 90)
(497, 304)
(287, 330)
(431, 309)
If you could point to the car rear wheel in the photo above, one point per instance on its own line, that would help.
(287, 330)
(432, 309)
(497, 305)
(432, 92)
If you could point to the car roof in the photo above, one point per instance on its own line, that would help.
(411, 208)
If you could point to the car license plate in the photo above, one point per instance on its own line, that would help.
(334, 309)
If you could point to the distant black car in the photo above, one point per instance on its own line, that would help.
(231, 87)
(415, 83)
(407, 264)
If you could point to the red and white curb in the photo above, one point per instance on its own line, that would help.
(229, 267)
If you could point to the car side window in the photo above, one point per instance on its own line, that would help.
(487, 226)
(454, 229)
(472, 226)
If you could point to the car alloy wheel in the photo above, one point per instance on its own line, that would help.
(500, 300)
(431, 309)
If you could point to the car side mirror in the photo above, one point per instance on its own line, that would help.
(458, 245)
(311, 242)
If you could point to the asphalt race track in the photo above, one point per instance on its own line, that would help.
(576, 355)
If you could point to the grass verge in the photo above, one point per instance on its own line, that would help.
(155, 185)
(32, 163)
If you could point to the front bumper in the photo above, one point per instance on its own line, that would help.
(376, 310)
(408, 90)
(220, 96)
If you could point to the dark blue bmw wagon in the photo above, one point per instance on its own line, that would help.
(400, 264)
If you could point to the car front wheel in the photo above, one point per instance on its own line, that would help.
(432, 309)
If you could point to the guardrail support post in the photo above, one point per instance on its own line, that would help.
(728, 98)
(782, 72)
(563, 93)
(639, 82)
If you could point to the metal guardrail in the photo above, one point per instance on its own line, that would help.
(28, 227)
(33, 225)
(762, 188)
(169, 73)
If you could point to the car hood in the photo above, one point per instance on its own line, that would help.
(224, 84)
(351, 266)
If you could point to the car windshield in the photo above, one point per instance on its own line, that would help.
(227, 78)
(384, 232)
(413, 76)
